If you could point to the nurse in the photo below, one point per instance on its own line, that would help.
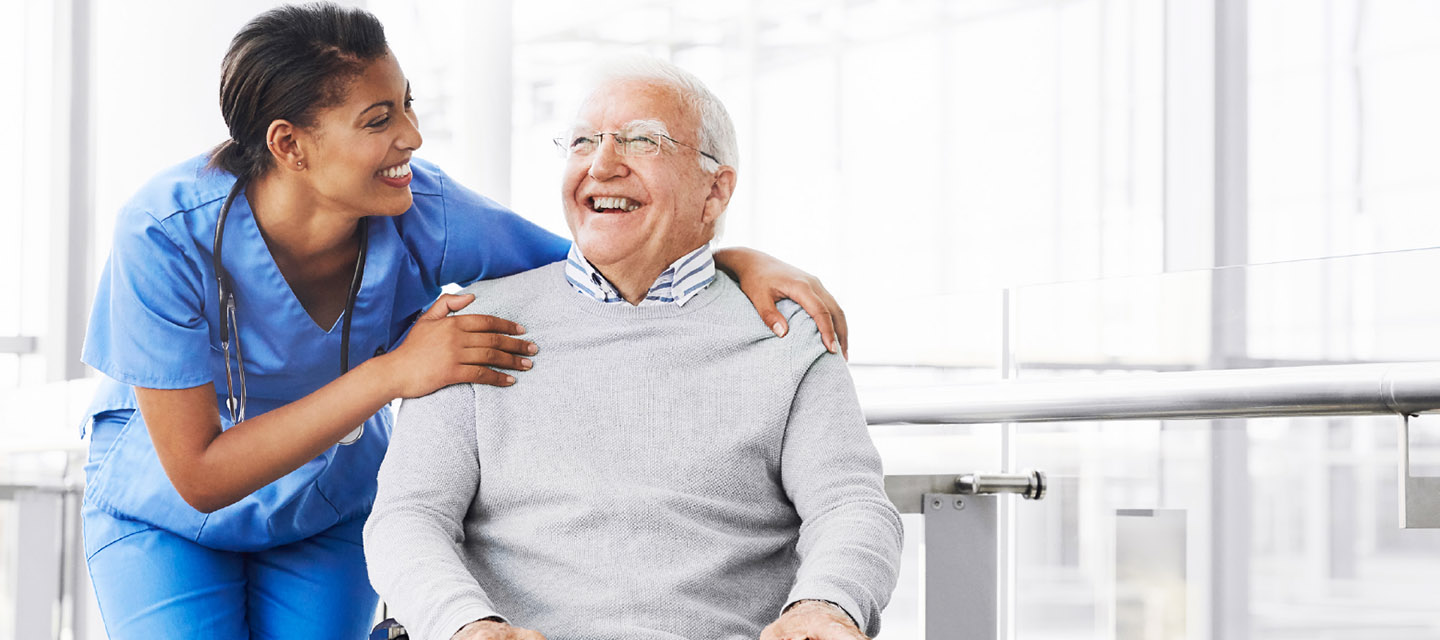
(261, 306)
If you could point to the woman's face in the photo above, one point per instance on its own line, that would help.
(357, 155)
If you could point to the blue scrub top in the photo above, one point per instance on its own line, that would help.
(155, 325)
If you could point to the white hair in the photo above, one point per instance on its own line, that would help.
(717, 131)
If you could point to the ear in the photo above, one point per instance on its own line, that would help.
(722, 186)
(283, 139)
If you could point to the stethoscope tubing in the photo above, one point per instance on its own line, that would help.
(229, 321)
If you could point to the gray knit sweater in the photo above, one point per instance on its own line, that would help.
(662, 473)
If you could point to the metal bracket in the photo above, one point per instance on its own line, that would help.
(1419, 496)
(962, 567)
(1030, 486)
(906, 491)
(962, 546)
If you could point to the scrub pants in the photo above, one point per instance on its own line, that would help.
(151, 583)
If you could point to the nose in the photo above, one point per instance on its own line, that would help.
(606, 162)
(410, 138)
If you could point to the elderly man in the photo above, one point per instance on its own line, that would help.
(670, 468)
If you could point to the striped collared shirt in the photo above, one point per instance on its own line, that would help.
(681, 281)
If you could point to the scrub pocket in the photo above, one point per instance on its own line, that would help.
(105, 427)
(128, 481)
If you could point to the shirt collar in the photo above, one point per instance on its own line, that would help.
(676, 285)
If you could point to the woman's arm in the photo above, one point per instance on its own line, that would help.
(766, 280)
(211, 468)
(480, 239)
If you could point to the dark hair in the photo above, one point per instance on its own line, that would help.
(289, 63)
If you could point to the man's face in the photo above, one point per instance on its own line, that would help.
(641, 212)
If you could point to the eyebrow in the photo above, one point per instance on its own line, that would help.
(386, 103)
(633, 126)
(645, 126)
(382, 103)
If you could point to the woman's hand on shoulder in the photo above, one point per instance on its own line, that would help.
(766, 280)
(442, 350)
(494, 630)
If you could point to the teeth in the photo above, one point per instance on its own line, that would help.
(398, 171)
(615, 202)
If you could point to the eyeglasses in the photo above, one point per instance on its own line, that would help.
(639, 145)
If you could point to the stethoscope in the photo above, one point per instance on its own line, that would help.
(228, 321)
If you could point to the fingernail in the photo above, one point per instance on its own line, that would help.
(519, 329)
(525, 362)
(834, 346)
(509, 379)
(532, 349)
(778, 328)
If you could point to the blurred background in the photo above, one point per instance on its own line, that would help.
(993, 189)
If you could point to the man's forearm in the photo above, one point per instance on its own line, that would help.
(426, 485)
(850, 560)
(851, 534)
(415, 570)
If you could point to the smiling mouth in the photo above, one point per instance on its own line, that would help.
(612, 204)
(398, 171)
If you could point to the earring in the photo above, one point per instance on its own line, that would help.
(299, 164)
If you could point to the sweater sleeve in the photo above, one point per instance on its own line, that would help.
(850, 533)
(413, 537)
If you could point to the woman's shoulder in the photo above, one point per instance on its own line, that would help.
(180, 188)
(174, 209)
(435, 192)
(428, 179)
(449, 213)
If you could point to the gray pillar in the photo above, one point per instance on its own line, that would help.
(1206, 192)
(1230, 439)
(73, 195)
(484, 104)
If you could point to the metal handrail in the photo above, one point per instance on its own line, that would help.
(8, 490)
(1332, 390)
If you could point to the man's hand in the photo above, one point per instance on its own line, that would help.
(813, 620)
(494, 630)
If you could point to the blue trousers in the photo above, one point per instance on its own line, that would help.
(151, 583)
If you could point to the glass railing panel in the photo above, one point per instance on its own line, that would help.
(1141, 537)
(1064, 553)
(921, 340)
(927, 347)
(1333, 310)
(1157, 322)
(1262, 528)
(1348, 308)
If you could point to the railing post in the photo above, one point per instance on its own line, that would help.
(1419, 496)
(961, 567)
(962, 546)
